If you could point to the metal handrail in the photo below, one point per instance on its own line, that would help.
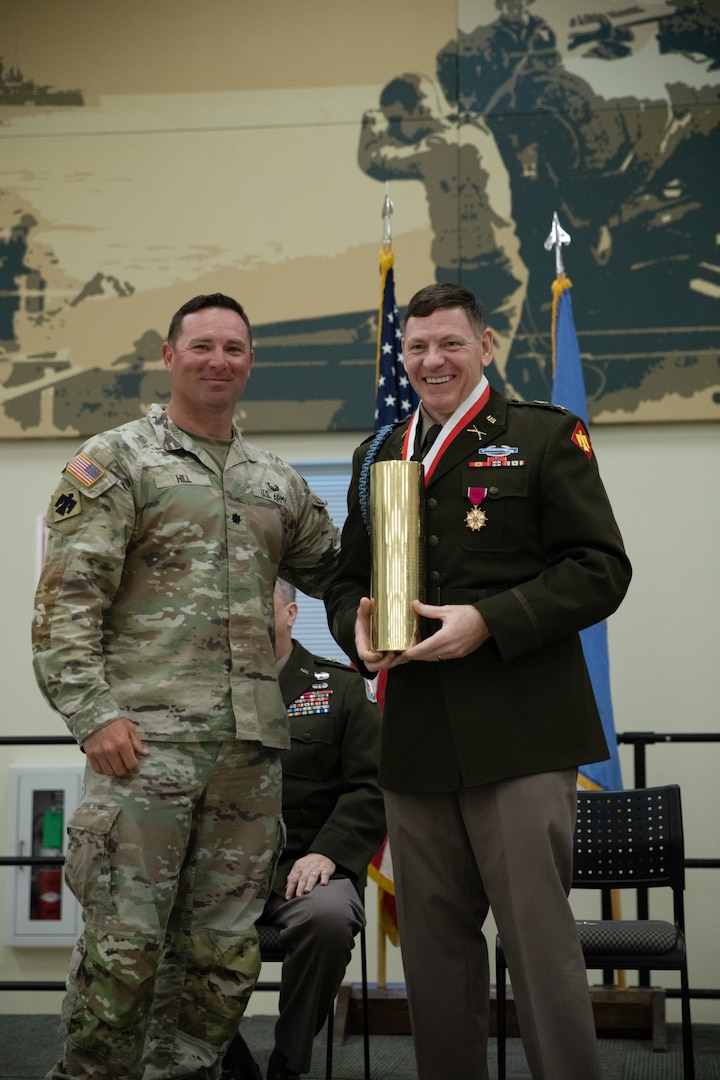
(639, 739)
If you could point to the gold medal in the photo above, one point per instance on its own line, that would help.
(476, 519)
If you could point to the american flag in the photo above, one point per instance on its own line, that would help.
(380, 871)
(84, 469)
(396, 398)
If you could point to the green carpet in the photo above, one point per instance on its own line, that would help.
(29, 1045)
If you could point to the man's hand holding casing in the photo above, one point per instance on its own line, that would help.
(463, 631)
(373, 659)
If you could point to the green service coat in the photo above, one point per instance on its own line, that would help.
(331, 800)
(548, 562)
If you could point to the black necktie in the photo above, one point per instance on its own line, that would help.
(430, 436)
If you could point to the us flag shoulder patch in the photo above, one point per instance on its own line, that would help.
(581, 438)
(84, 469)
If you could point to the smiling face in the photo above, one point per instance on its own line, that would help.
(444, 359)
(209, 365)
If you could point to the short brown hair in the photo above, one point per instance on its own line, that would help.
(199, 303)
(443, 295)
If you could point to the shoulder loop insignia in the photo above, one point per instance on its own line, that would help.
(329, 661)
(538, 404)
(581, 438)
(84, 469)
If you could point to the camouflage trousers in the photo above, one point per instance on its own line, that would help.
(172, 867)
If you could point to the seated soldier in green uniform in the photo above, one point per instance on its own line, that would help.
(333, 812)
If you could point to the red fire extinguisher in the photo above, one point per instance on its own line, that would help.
(49, 885)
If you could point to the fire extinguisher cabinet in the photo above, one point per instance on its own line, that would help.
(42, 912)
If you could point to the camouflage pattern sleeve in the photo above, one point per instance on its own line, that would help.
(313, 547)
(156, 599)
(90, 519)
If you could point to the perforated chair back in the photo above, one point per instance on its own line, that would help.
(629, 839)
(632, 839)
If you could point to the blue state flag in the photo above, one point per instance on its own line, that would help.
(569, 390)
(395, 397)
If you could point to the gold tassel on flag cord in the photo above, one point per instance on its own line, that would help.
(387, 261)
(561, 283)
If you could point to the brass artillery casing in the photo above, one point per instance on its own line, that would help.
(397, 539)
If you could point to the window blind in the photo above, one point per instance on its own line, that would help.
(330, 481)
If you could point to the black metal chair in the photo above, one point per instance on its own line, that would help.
(627, 840)
(272, 952)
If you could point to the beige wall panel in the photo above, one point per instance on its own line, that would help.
(195, 46)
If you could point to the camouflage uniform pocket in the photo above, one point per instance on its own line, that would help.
(90, 857)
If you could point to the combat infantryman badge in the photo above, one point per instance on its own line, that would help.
(494, 456)
(476, 518)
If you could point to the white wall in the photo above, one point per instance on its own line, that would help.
(662, 480)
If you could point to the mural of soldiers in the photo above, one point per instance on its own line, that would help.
(631, 178)
(416, 134)
(13, 251)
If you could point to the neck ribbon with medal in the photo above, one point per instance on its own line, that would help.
(476, 517)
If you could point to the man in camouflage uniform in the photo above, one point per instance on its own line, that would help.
(153, 637)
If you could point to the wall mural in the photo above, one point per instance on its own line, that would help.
(122, 195)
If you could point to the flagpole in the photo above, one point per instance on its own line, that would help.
(386, 262)
(557, 239)
(381, 944)
(395, 401)
(395, 398)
